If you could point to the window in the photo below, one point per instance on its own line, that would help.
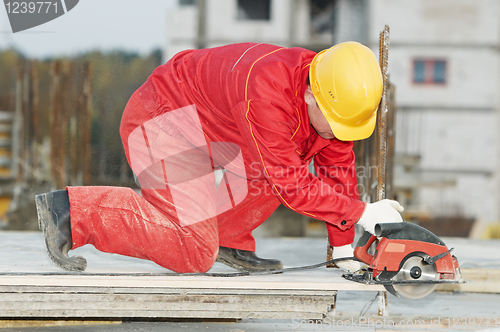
(323, 15)
(187, 2)
(254, 10)
(429, 71)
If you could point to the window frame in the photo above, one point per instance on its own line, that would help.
(268, 17)
(429, 74)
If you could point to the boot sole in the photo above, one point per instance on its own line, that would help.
(231, 264)
(246, 268)
(75, 263)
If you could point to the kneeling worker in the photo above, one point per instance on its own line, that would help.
(219, 138)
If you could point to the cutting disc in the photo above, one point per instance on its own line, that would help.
(414, 269)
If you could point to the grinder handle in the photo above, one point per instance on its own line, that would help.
(361, 250)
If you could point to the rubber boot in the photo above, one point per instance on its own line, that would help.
(54, 220)
(246, 260)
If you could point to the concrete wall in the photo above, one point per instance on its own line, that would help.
(452, 127)
(437, 22)
(471, 81)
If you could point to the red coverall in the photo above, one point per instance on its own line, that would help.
(250, 96)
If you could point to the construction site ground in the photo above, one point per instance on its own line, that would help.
(474, 306)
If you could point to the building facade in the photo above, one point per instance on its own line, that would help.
(443, 59)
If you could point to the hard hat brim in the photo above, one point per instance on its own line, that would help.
(352, 133)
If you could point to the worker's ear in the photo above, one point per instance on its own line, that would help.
(309, 96)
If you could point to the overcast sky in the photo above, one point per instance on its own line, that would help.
(133, 25)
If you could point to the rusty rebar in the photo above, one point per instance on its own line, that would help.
(382, 115)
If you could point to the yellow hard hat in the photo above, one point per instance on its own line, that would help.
(347, 84)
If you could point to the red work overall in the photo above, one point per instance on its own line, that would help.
(239, 109)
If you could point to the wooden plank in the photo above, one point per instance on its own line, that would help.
(63, 291)
(302, 294)
(220, 314)
(141, 302)
(108, 302)
(13, 323)
(290, 282)
(156, 290)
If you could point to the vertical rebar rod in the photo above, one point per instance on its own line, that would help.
(383, 114)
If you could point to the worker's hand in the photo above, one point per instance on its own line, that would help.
(384, 211)
(349, 266)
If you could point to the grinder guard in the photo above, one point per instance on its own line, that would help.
(399, 242)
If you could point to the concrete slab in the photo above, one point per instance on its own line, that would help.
(24, 252)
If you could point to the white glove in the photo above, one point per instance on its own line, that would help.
(350, 266)
(384, 211)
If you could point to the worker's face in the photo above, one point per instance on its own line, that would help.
(318, 120)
